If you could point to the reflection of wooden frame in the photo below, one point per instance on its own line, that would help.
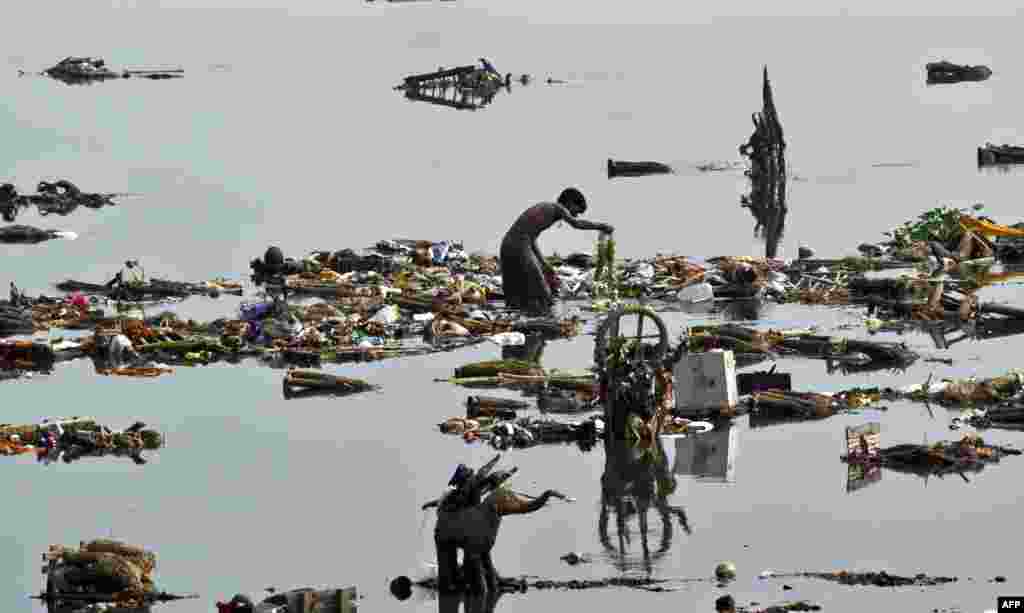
(859, 476)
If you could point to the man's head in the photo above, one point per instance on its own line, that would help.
(725, 604)
(572, 199)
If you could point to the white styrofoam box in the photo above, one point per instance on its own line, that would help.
(706, 381)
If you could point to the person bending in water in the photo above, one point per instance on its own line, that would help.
(523, 269)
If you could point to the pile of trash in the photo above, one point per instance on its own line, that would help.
(86, 70)
(751, 346)
(493, 421)
(72, 438)
(946, 237)
(970, 391)
(879, 578)
(101, 571)
(151, 290)
(20, 356)
(60, 197)
(970, 453)
(443, 272)
(305, 334)
(1008, 416)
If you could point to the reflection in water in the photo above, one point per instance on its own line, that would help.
(635, 480)
(859, 476)
(51, 199)
(102, 608)
(746, 309)
(766, 152)
(468, 603)
(465, 99)
(834, 367)
(531, 351)
(706, 457)
(947, 334)
(1001, 169)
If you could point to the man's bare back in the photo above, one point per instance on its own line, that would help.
(538, 218)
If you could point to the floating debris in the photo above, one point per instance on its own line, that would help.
(73, 438)
(59, 197)
(969, 454)
(618, 168)
(871, 578)
(573, 558)
(303, 600)
(991, 155)
(102, 571)
(28, 235)
(464, 87)
(948, 72)
(153, 289)
(89, 70)
(26, 355)
(299, 383)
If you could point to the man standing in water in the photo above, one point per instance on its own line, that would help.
(523, 269)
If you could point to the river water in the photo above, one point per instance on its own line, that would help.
(285, 131)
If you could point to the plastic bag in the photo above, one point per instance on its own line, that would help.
(386, 315)
(508, 339)
(696, 293)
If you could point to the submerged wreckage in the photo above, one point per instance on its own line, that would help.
(865, 454)
(87, 70)
(60, 197)
(74, 438)
(467, 87)
(101, 572)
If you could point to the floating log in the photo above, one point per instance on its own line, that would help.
(990, 155)
(26, 235)
(948, 72)
(619, 168)
(493, 368)
(300, 380)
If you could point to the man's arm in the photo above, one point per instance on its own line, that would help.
(540, 257)
(583, 224)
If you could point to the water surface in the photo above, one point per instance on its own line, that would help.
(285, 131)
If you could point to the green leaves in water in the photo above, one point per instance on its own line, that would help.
(941, 224)
(606, 283)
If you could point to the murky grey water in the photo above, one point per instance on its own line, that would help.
(285, 131)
